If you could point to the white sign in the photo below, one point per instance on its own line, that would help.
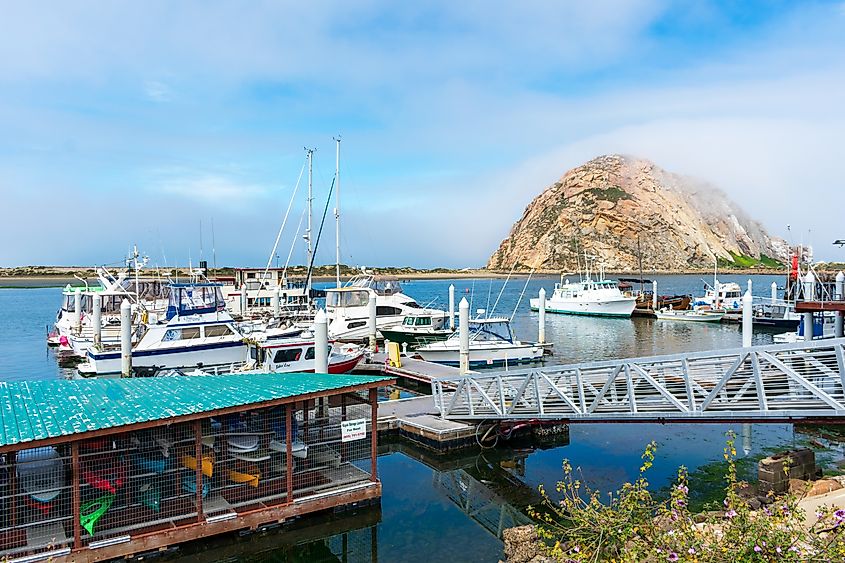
(353, 430)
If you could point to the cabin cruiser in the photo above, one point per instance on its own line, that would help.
(599, 297)
(823, 327)
(776, 314)
(250, 293)
(347, 306)
(296, 355)
(196, 331)
(491, 343)
(419, 329)
(724, 296)
(73, 330)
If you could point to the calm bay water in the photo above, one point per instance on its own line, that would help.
(423, 514)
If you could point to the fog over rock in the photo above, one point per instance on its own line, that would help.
(605, 205)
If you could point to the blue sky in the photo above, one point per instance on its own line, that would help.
(128, 122)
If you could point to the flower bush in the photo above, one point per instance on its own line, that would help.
(631, 524)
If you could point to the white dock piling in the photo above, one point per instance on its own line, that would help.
(321, 343)
(746, 438)
(542, 311)
(452, 306)
(809, 287)
(371, 323)
(243, 300)
(839, 295)
(97, 319)
(125, 339)
(774, 292)
(77, 311)
(808, 326)
(463, 331)
(654, 295)
(747, 312)
(277, 308)
(749, 286)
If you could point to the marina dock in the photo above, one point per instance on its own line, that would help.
(409, 368)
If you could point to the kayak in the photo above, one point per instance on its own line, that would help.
(250, 476)
(42, 476)
(150, 496)
(91, 512)
(189, 483)
(190, 462)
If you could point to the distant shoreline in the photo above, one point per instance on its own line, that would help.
(59, 280)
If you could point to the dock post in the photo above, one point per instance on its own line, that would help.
(654, 295)
(125, 339)
(808, 326)
(810, 287)
(243, 299)
(277, 308)
(747, 317)
(77, 310)
(463, 330)
(542, 311)
(839, 295)
(371, 323)
(452, 306)
(774, 292)
(97, 319)
(321, 343)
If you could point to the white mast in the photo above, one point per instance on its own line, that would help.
(337, 209)
(310, 153)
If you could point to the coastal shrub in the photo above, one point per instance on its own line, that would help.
(632, 524)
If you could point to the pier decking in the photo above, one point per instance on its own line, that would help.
(101, 469)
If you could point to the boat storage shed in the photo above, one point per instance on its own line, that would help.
(104, 468)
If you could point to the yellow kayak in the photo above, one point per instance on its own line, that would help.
(190, 462)
(249, 477)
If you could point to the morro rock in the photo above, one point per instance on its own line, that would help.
(619, 208)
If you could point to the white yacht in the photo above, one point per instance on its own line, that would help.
(296, 355)
(599, 297)
(491, 343)
(724, 296)
(196, 331)
(250, 292)
(347, 306)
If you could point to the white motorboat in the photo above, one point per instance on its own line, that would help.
(600, 297)
(295, 354)
(347, 306)
(196, 332)
(419, 328)
(721, 296)
(823, 327)
(690, 315)
(250, 292)
(491, 343)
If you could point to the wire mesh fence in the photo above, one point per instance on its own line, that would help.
(107, 488)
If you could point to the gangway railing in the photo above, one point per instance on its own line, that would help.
(767, 383)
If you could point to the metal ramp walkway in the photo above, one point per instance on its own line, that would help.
(764, 383)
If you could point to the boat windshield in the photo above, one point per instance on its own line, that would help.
(195, 299)
(490, 331)
(381, 285)
(335, 298)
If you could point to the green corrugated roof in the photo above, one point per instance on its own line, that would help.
(39, 410)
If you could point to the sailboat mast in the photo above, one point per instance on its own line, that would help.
(337, 209)
(310, 153)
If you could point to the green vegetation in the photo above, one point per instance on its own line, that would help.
(633, 525)
(741, 261)
(613, 193)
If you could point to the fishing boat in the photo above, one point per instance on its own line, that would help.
(347, 306)
(491, 343)
(196, 332)
(598, 297)
(419, 329)
(690, 315)
(721, 296)
(776, 314)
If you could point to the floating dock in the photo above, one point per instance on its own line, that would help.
(101, 469)
(409, 368)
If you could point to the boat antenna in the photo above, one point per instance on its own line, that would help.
(317, 242)
(201, 253)
(518, 301)
(337, 209)
(489, 293)
(213, 246)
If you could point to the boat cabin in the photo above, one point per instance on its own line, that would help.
(195, 299)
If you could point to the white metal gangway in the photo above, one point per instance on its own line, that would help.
(763, 383)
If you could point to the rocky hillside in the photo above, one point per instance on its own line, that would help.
(603, 207)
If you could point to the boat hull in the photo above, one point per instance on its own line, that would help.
(414, 339)
(206, 356)
(483, 356)
(617, 308)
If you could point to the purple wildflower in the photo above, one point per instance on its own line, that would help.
(673, 556)
(683, 488)
(758, 549)
(839, 514)
(691, 551)
(730, 513)
(777, 549)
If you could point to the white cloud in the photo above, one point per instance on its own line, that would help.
(157, 91)
(211, 189)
